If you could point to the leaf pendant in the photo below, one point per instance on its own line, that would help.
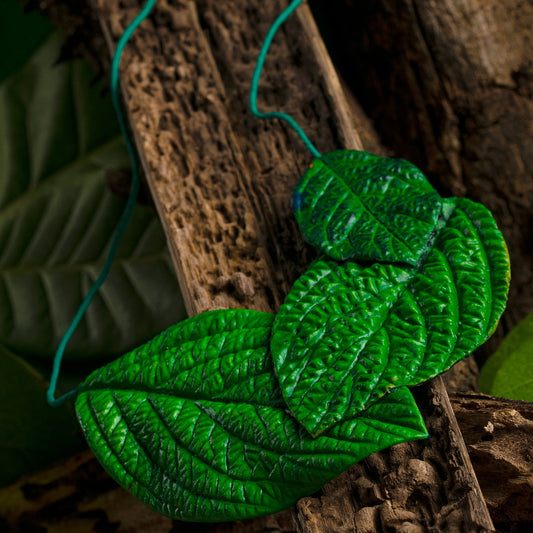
(193, 423)
(348, 332)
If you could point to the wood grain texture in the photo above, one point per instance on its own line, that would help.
(499, 438)
(411, 487)
(221, 181)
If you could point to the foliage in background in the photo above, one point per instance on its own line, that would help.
(31, 434)
(57, 218)
(17, 46)
(58, 139)
(509, 371)
(194, 423)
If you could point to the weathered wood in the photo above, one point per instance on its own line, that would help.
(411, 487)
(449, 84)
(221, 181)
(499, 438)
(222, 185)
(74, 496)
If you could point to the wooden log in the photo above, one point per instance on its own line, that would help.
(226, 63)
(221, 182)
(411, 487)
(499, 438)
(221, 178)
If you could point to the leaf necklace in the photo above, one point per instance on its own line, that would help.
(234, 414)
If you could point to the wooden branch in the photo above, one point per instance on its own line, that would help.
(418, 486)
(221, 181)
(499, 438)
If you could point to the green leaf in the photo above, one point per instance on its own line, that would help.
(509, 371)
(194, 424)
(59, 137)
(31, 434)
(359, 206)
(348, 333)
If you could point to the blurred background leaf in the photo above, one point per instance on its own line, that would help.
(59, 143)
(16, 45)
(508, 372)
(59, 139)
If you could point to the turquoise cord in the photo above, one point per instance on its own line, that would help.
(124, 219)
(257, 74)
(128, 210)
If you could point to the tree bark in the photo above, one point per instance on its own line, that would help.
(499, 437)
(449, 85)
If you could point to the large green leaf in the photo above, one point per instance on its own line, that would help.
(58, 138)
(347, 333)
(194, 424)
(31, 435)
(359, 206)
(509, 371)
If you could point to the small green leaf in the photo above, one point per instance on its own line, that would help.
(194, 424)
(347, 333)
(58, 138)
(509, 371)
(359, 206)
(31, 434)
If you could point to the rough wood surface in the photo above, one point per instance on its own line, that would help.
(499, 438)
(449, 84)
(221, 181)
(410, 488)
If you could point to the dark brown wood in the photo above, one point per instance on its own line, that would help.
(462, 377)
(221, 182)
(499, 437)
(449, 85)
(420, 486)
(77, 496)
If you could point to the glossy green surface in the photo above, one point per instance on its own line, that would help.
(509, 371)
(348, 332)
(359, 206)
(193, 423)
